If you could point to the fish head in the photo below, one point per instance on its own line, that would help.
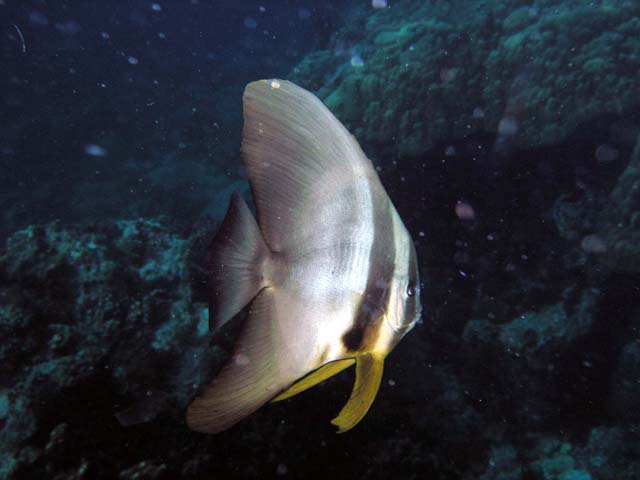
(404, 307)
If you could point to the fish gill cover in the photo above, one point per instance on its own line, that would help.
(507, 135)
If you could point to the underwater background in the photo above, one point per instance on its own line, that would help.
(507, 134)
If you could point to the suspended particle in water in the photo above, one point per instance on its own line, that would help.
(275, 84)
(593, 244)
(250, 22)
(606, 153)
(105, 36)
(156, 7)
(133, 61)
(379, 4)
(262, 9)
(450, 151)
(38, 19)
(357, 61)
(23, 45)
(95, 150)
(508, 126)
(478, 113)
(282, 470)
(70, 27)
(464, 211)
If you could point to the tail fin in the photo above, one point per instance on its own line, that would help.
(236, 261)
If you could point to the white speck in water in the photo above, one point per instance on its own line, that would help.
(162, 35)
(105, 35)
(478, 113)
(464, 211)
(379, 3)
(262, 9)
(133, 61)
(156, 7)
(275, 84)
(508, 126)
(593, 244)
(391, 382)
(587, 364)
(282, 470)
(95, 150)
(606, 153)
(357, 61)
(421, 233)
(450, 151)
(250, 22)
(490, 237)
(462, 274)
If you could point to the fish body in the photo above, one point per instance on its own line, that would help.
(328, 270)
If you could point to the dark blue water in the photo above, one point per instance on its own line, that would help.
(507, 135)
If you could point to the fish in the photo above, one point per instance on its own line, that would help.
(327, 274)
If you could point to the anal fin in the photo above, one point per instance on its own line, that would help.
(253, 375)
(369, 368)
(321, 374)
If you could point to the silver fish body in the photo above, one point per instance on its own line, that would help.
(329, 270)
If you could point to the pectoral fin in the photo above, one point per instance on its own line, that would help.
(315, 377)
(369, 368)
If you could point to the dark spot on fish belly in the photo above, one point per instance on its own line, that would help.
(352, 340)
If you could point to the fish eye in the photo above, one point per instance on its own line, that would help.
(411, 290)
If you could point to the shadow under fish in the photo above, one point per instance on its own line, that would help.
(328, 273)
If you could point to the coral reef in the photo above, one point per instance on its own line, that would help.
(436, 71)
(93, 321)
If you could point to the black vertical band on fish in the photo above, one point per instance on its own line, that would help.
(378, 289)
(328, 271)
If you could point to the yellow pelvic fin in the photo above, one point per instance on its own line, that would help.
(326, 371)
(369, 368)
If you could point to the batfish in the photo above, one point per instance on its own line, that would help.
(328, 274)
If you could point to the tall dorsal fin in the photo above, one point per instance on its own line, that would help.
(298, 157)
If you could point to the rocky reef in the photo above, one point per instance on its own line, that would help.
(432, 72)
(96, 322)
